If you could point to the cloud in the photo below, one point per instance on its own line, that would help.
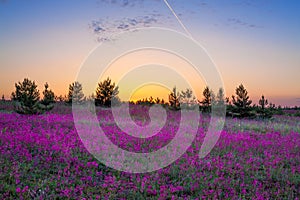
(104, 29)
(124, 3)
(238, 22)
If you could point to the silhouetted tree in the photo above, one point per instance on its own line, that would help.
(3, 98)
(220, 99)
(61, 98)
(228, 102)
(209, 97)
(241, 102)
(75, 94)
(157, 100)
(149, 101)
(187, 99)
(106, 92)
(26, 97)
(220, 103)
(48, 99)
(263, 102)
(174, 99)
(263, 111)
(272, 105)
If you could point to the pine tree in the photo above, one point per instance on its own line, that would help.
(3, 98)
(263, 111)
(174, 97)
(26, 97)
(220, 99)
(157, 101)
(263, 102)
(75, 94)
(48, 99)
(208, 100)
(187, 99)
(61, 98)
(220, 103)
(241, 102)
(151, 100)
(106, 93)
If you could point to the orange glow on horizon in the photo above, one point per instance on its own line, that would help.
(147, 91)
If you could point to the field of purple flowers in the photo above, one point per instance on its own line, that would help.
(42, 157)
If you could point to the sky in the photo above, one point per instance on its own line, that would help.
(256, 43)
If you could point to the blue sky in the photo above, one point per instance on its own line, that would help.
(256, 43)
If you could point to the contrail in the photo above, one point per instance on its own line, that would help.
(178, 19)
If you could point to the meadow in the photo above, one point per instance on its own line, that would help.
(42, 157)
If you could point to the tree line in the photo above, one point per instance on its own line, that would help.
(26, 98)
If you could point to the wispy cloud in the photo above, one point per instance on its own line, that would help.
(124, 3)
(104, 29)
(239, 22)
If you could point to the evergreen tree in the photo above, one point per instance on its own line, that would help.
(263, 111)
(48, 99)
(3, 98)
(187, 99)
(151, 100)
(26, 97)
(208, 100)
(227, 101)
(272, 105)
(263, 102)
(241, 102)
(220, 99)
(157, 100)
(106, 93)
(220, 103)
(174, 97)
(75, 94)
(61, 98)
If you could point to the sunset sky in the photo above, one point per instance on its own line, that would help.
(256, 43)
